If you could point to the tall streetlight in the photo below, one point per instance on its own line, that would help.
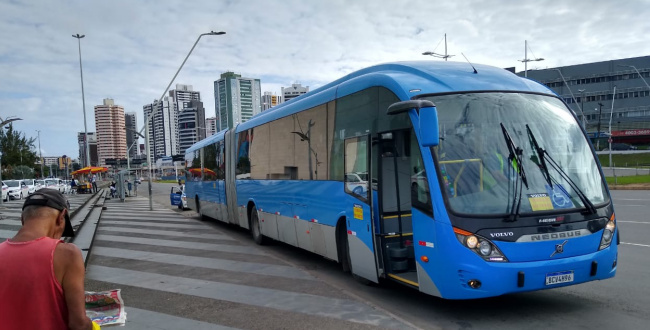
(637, 72)
(526, 59)
(40, 153)
(83, 101)
(148, 118)
(4, 122)
(600, 112)
(445, 56)
(584, 125)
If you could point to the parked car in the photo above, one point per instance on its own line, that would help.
(177, 197)
(31, 185)
(40, 184)
(17, 189)
(54, 184)
(623, 146)
(5, 192)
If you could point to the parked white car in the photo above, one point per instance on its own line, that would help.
(54, 184)
(5, 192)
(40, 184)
(31, 185)
(17, 189)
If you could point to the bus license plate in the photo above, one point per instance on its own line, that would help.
(559, 277)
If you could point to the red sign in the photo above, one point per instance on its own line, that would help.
(631, 132)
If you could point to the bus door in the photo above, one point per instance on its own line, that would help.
(396, 177)
(360, 227)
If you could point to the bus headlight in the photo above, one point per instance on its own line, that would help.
(608, 234)
(480, 245)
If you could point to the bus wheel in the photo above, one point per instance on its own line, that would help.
(256, 231)
(198, 209)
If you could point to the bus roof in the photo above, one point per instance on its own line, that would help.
(207, 141)
(405, 79)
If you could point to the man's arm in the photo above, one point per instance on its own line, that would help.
(73, 287)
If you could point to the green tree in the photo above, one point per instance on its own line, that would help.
(16, 151)
(22, 172)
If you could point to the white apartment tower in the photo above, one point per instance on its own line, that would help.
(111, 136)
(210, 126)
(236, 99)
(163, 127)
(294, 91)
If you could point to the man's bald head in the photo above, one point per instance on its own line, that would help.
(39, 212)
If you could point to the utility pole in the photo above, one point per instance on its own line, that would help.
(434, 54)
(526, 59)
(83, 100)
(600, 112)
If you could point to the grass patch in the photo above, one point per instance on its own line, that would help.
(623, 180)
(626, 160)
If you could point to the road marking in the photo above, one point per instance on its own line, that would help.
(144, 319)
(166, 233)
(629, 199)
(157, 224)
(181, 244)
(636, 244)
(621, 205)
(221, 264)
(342, 309)
(623, 221)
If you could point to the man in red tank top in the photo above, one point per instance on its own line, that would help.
(41, 277)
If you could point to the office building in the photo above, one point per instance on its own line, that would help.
(190, 129)
(163, 127)
(131, 126)
(92, 145)
(109, 125)
(236, 99)
(210, 126)
(270, 100)
(294, 91)
(589, 88)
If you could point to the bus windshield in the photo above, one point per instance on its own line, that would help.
(479, 174)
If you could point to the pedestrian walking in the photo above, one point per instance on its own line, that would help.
(129, 186)
(93, 181)
(73, 186)
(42, 277)
(113, 189)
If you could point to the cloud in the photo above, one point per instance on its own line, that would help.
(133, 48)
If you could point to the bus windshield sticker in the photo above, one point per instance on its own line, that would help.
(559, 197)
(540, 202)
(358, 212)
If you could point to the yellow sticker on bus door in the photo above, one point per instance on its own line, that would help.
(540, 202)
(358, 212)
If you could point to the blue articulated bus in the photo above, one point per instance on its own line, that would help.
(459, 182)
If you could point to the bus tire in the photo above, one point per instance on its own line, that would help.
(198, 209)
(342, 244)
(256, 231)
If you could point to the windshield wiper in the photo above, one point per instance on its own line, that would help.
(543, 155)
(515, 154)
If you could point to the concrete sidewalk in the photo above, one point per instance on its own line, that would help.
(177, 272)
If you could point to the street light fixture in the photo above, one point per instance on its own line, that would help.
(600, 112)
(637, 72)
(40, 153)
(83, 101)
(4, 122)
(148, 118)
(445, 56)
(526, 59)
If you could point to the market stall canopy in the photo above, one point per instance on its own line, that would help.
(90, 169)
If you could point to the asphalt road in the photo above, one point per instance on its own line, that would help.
(621, 302)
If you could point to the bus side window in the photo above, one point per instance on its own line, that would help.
(420, 192)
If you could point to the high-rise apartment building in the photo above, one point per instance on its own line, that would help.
(210, 126)
(131, 126)
(190, 129)
(236, 99)
(111, 136)
(294, 91)
(92, 146)
(270, 100)
(163, 127)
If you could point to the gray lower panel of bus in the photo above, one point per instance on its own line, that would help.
(425, 283)
(311, 236)
(362, 259)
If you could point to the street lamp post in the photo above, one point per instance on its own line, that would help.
(637, 72)
(445, 57)
(40, 153)
(600, 112)
(526, 59)
(584, 125)
(2, 124)
(148, 118)
(83, 101)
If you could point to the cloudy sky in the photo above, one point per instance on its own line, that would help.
(133, 48)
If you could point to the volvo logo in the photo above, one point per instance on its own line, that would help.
(559, 248)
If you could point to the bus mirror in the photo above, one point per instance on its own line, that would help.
(405, 106)
(429, 134)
